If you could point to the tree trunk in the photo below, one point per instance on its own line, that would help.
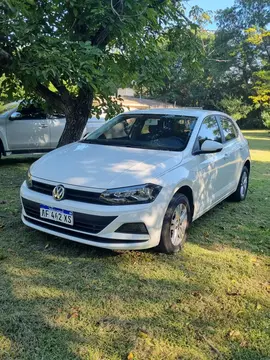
(5, 60)
(76, 109)
(77, 113)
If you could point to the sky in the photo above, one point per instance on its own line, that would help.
(210, 5)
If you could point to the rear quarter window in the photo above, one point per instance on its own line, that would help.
(229, 130)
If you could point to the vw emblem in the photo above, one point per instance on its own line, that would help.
(58, 192)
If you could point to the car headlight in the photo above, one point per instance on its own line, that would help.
(29, 179)
(139, 194)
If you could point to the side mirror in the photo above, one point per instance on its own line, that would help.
(210, 147)
(16, 116)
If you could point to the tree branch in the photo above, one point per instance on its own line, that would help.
(62, 90)
(215, 350)
(101, 38)
(113, 7)
(5, 59)
(219, 60)
(50, 96)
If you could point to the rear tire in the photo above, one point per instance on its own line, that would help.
(241, 192)
(175, 224)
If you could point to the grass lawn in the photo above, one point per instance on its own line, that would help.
(62, 300)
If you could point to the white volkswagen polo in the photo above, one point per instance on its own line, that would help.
(139, 180)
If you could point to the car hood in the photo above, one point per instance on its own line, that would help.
(103, 166)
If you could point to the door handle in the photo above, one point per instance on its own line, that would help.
(43, 126)
(226, 156)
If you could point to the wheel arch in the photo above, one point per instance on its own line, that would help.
(187, 191)
(248, 165)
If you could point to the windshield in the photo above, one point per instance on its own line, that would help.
(148, 131)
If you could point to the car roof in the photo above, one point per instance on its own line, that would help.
(177, 111)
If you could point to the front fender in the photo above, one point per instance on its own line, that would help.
(174, 182)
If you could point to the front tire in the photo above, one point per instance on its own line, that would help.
(242, 188)
(175, 224)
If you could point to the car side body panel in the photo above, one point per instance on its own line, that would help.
(28, 134)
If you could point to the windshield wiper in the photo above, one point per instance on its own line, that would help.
(128, 144)
(170, 149)
(109, 142)
(89, 141)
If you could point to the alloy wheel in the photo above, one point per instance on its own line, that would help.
(244, 184)
(179, 224)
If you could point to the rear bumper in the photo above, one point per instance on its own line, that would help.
(150, 214)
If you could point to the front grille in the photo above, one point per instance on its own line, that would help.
(70, 194)
(82, 222)
(42, 188)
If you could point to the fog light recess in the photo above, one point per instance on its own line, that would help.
(133, 228)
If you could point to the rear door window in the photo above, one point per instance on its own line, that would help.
(229, 130)
(31, 111)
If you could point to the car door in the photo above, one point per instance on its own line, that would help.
(57, 125)
(232, 151)
(28, 129)
(210, 178)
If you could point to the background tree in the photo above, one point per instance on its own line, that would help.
(236, 107)
(232, 72)
(246, 60)
(260, 38)
(70, 52)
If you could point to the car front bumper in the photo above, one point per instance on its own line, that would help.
(151, 215)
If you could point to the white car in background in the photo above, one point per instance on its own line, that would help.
(139, 180)
(26, 128)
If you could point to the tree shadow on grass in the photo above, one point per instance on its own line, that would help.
(29, 334)
(15, 160)
(57, 307)
(247, 354)
(70, 301)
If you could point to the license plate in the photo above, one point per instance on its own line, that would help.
(58, 215)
